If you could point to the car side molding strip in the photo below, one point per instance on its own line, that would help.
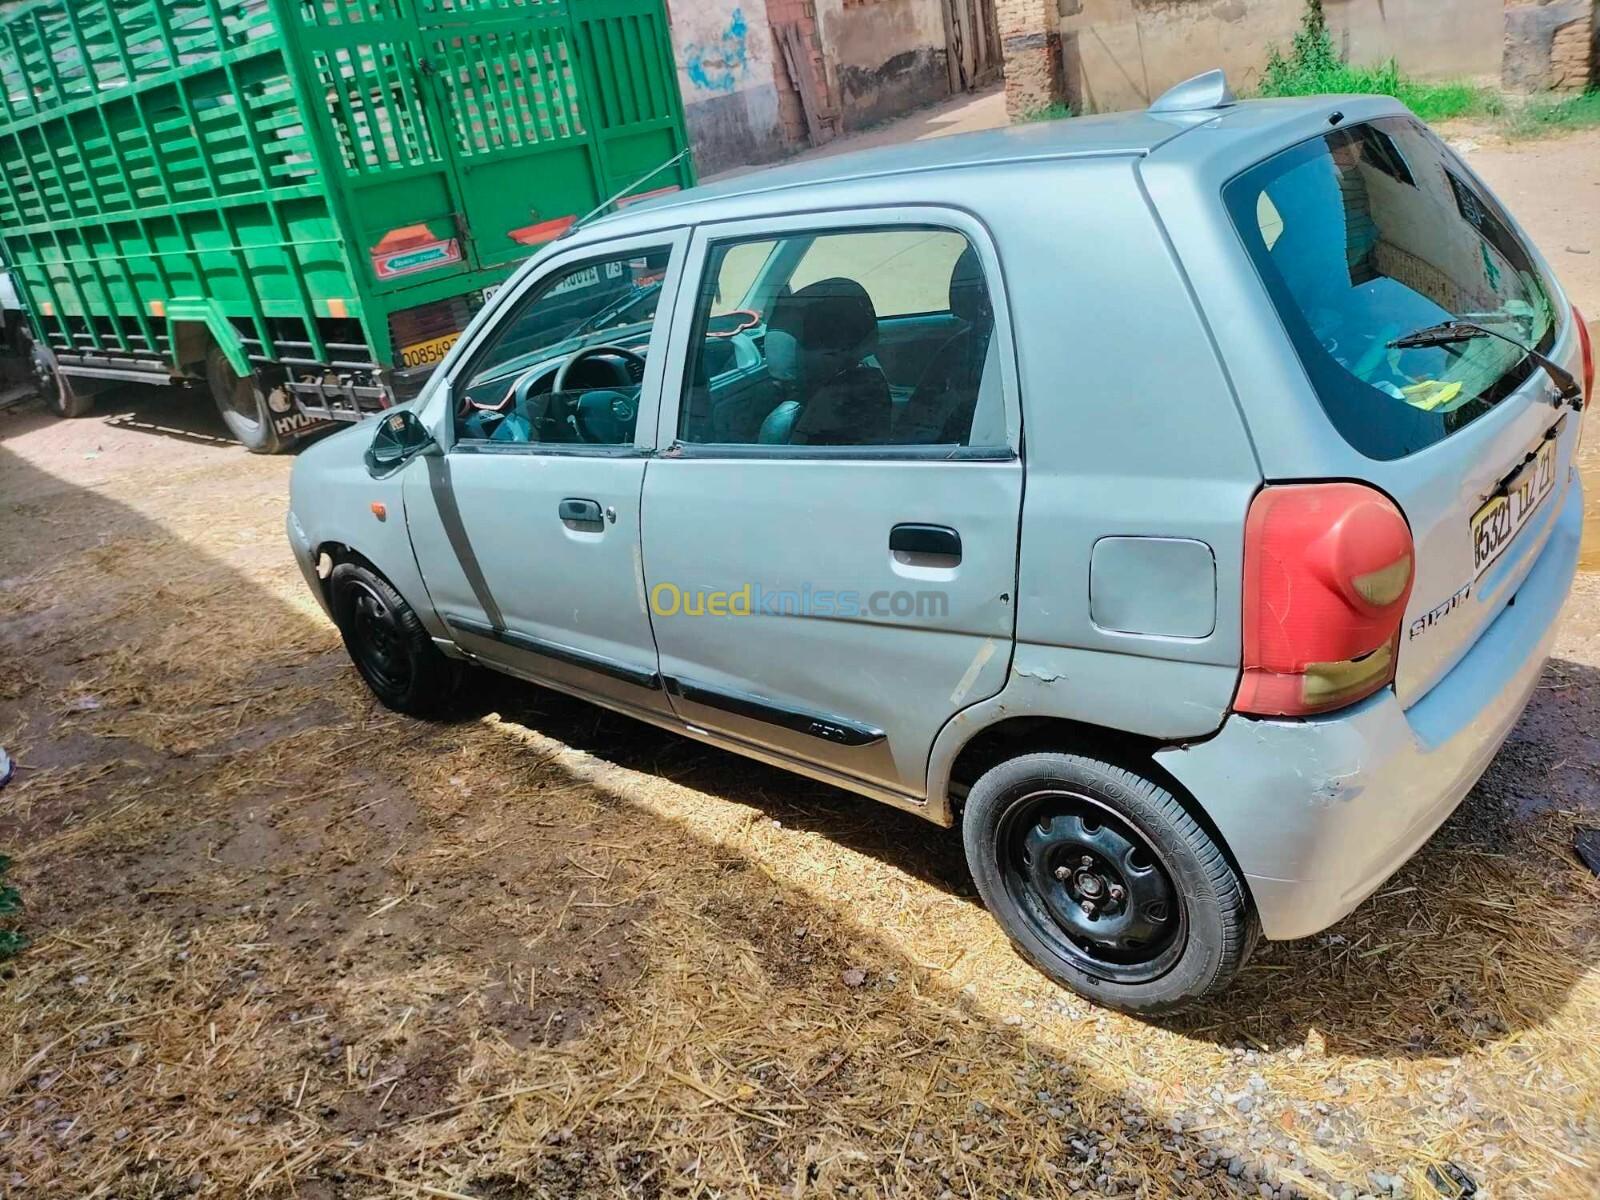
(829, 728)
(599, 663)
(826, 726)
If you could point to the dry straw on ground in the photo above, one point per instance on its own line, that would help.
(287, 943)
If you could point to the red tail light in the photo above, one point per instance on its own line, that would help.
(1585, 341)
(1327, 573)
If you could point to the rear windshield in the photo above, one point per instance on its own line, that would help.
(1370, 233)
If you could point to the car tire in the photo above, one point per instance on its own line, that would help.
(1105, 882)
(242, 405)
(388, 644)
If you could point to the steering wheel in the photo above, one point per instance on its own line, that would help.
(600, 414)
(577, 356)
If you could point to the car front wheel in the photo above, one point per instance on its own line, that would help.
(388, 643)
(1106, 883)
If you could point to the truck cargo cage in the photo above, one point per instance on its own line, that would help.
(319, 190)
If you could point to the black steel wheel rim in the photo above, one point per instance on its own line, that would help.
(1091, 887)
(378, 642)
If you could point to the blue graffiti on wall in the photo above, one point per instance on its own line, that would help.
(718, 67)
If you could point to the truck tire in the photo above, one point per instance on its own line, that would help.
(388, 644)
(243, 406)
(1105, 882)
(63, 399)
(60, 397)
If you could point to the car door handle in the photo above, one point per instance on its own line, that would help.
(928, 540)
(581, 512)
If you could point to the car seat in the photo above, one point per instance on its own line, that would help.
(816, 340)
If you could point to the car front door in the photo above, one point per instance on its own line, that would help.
(833, 579)
(527, 528)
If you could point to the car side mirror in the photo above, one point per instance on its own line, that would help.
(400, 437)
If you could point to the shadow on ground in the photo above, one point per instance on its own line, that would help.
(289, 942)
(1500, 834)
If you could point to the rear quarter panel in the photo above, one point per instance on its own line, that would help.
(1131, 431)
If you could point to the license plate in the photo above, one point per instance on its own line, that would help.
(1496, 525)
(426, 354)
(488, 292)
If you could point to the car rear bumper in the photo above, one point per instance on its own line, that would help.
(1318, 813)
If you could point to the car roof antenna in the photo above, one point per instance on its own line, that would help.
(612, 199)
(1201, 93)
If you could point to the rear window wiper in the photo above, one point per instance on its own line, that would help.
(1448, 333)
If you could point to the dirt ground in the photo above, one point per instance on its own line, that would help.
(287, 943)
(1553, 187)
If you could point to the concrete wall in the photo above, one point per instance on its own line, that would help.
(1439, 39)
(1118, 54)
(729, 78)
(872, 60)
(884, 57)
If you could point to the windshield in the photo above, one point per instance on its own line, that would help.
(1369, 233)
(635, 307)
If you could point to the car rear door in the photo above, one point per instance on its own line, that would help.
(833, 605)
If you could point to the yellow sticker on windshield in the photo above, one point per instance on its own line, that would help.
(1431, 394)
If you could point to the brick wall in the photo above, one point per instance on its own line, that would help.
(1030, 40)
(740, 104)
(789, 110)
(1572, 54)
(1549, 45)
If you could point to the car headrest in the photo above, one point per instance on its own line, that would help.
(969, 295)
(818, 331)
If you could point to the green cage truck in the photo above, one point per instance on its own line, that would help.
(299, 204)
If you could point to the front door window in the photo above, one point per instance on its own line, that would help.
(566, 366)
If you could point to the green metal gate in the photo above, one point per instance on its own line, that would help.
(322, 188)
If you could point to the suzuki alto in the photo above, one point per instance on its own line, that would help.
(1179, 503)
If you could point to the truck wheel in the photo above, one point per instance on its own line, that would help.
(243, 406)
(388, 644)
(1105, 882)
(60, 397)
(63, 399)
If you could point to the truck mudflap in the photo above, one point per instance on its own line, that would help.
(296, 423)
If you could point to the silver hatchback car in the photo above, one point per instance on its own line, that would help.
(1179, 502)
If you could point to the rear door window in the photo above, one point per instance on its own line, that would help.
(870, 337)
(1369, 233)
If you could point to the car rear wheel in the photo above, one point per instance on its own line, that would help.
(1106, 883)
(388, 643)
(243, 405)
